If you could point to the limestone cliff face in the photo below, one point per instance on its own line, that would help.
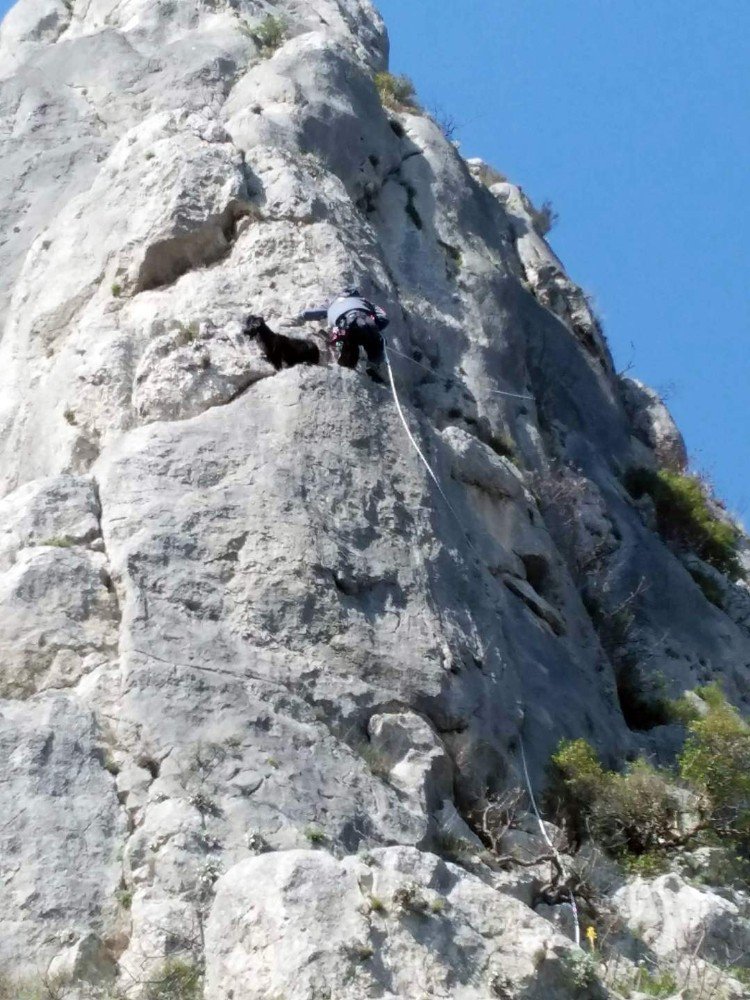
(237, 620)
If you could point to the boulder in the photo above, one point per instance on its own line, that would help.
(298, 922)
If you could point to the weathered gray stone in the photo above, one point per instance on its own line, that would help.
(246, 580)
(653, 424)
(678, 921)
(404, 925)
(60, 834)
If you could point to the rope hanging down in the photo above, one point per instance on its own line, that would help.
(419, 451)
(452, 509)
(548, 840)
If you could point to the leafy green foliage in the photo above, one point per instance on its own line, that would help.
(269, 35)
(396, 92)
(657, 983)
(581, 970)
(739, 973)
(684, 517)
(647, 865)
(176, 980)
(635, 814)
(632, 813)
(716, 761)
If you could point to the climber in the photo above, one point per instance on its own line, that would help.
(354, 322)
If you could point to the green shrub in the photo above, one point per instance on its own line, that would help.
(716, 761)
(269, 34)
(396, 92)
(125, 898)
(647, 865)
(637, 811)
(659, 983)
(176, 980)
(739, 973)
(116, 290)
(633, 813)
(580, 970)
(684, 517)
(656, 983)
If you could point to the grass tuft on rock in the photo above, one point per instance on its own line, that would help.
(178, 979)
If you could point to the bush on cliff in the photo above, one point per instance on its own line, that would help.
(715, 761)
(685, 518)
(269, 35)
(396, 92)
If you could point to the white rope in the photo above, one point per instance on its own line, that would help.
(548, 840)
(421, 454)
(532, 799)
(452, 378)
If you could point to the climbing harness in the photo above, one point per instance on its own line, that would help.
(451, 378)
(454, 512)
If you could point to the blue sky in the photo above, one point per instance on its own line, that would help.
(633, 117)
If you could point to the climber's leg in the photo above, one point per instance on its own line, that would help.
(349, 355)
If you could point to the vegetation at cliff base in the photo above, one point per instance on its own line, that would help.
(634, 813)
(716, 762)
(645, 812)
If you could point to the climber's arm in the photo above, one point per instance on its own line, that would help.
(314, 314)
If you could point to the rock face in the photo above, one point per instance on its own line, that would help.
(238, 619)
(402, 924)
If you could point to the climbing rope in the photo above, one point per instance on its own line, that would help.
(548, 841)
(454, 512)
(419, 451)
(452, 378)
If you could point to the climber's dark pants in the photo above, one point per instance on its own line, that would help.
(361, 332)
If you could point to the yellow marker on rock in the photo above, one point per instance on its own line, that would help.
(591, 935)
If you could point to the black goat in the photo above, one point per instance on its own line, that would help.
(281, 351)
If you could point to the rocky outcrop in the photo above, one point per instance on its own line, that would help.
(675, 919)
(399, 922)
(257, 665)
(653, 424)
